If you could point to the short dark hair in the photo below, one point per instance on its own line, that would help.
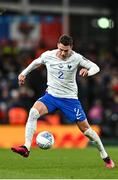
(66, 40)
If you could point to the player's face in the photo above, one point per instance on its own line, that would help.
(63, 51)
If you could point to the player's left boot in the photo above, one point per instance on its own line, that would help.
(22, 150)
(109, 163)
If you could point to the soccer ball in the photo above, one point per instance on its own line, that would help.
(45, 140)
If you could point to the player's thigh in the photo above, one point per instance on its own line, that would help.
(41, 107)
(83, 125)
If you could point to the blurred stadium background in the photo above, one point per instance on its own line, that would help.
(28, 28)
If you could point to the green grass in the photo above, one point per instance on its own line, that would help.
(57, 164)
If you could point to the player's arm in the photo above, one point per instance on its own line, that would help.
(88, 67)
(22, 76)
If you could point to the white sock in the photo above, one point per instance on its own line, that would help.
(31, 126)
(94, 137)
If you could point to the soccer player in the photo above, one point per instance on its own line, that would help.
(62, 93)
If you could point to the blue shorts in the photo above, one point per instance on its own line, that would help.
(70, 107)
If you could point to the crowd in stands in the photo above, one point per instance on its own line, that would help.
(98, 94)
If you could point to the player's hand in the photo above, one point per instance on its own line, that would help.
(21, 79)
(83, 72)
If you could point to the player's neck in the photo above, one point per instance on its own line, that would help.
(62, 57)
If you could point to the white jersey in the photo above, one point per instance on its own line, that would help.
(61, 74)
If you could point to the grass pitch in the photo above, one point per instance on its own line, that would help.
(57, 164)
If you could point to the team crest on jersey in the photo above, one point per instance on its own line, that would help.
(69, 66)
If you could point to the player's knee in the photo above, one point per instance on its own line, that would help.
(83, 126)
(34, 114)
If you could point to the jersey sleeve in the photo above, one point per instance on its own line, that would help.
(91, 66)
(35, 64)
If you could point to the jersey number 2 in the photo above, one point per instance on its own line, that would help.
(60, 75)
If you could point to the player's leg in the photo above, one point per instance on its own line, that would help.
(41, 107)
(36, 111)
(74, 112)
(92, 135)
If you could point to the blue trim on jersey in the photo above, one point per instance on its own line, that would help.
(70, 107)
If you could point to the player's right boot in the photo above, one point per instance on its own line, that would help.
(22, 150)
(109, 163)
